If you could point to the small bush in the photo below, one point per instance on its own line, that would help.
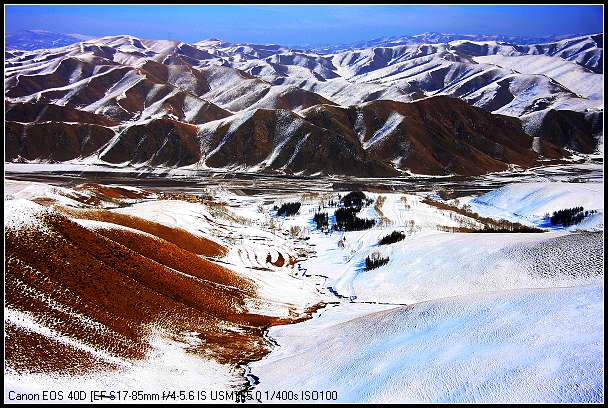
(393, 237)
(375, 260)
(444, 194)
(489, 224)
(507, 228)
(295, 231)
(288, 209)
(518, 228)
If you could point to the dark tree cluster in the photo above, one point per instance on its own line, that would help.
(511, 228)
(374, 261)
(570, 216)
(391, 238)
(489, 224)
(347, 220)
(330, 203)
(498, 226)
(355, 199)
(288, 209)
(322, 220)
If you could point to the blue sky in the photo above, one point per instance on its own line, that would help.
(312, 25)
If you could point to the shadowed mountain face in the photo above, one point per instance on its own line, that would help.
(158, 142)
(41, 112)
(282, 140)
(439, 135)
(53, 141)
(442, 108)
(573, 130)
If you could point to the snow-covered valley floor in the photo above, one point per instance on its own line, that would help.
(450, 317)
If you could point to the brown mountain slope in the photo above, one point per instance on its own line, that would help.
(282, 140)
(182, 76)
(107, 289)
(59, 73)
(570, 129)
(174, 114)
(438, 135)
(53, 141)
(122, 93)
(41, 112)
(159, 142)
(237, 90)
(188, 108)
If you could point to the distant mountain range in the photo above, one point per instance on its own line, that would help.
(37, 39)
(439, 38)
(458, 107)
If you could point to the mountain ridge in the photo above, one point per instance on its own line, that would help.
(25, 39)
(221, 105)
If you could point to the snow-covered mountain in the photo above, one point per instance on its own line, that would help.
(380, 110)
(438, 38)
(39, 39)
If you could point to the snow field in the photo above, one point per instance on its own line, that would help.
(508, 317)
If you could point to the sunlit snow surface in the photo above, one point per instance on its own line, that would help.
(531, 202)
(452, 317)
(543, 345)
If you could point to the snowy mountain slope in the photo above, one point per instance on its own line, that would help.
(571, 75)
(429, 68)
(519, 346)
(452, 69)
(169, 358)
(531, 202)
(490, 317)
(430, 264)
(124, 81)
(509, 317)
(586, 51)
(236, 90)
(392, 63)
(437, 265)
(117, 289)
